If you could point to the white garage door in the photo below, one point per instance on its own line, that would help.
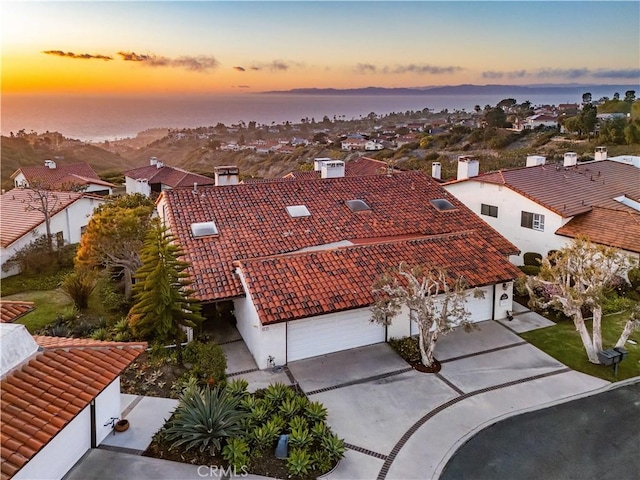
(331, 333)
(480, 308)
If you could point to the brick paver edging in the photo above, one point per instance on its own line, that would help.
(414, 428)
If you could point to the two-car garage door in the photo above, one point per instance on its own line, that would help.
(332, 333)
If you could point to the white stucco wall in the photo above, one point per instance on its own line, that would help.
(107, 406)
(62, 452)
(69, 221)
(510, 206)
(133, 186)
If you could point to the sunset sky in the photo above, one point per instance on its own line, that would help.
(231, 47)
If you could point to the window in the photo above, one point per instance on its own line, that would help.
(534, 221)
(357, 205)
(442, 204)
(298, 211)
(203, 229)
(489, 210)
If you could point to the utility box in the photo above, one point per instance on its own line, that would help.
(622, 351)
(609, 356)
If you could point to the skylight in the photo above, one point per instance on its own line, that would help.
(357, 205)
(441, 204)
(202, 229)
(629, 202)
(296, 211)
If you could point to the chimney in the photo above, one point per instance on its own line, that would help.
(226, 175)
(317, 163)
(159, 164)
(153, 161)
(467, 167)
(570, 159)
(50, 164)
(436, 170)
(332, 169)
(601, 153)
(535, 160)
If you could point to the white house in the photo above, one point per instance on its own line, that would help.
(535, 121)
(156, 177)
(542, 206)
(21, 222)
(60, 397)
(74, 177)
(298, 258)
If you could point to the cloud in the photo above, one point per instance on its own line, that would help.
(194, 64)
(82, 56)
(256, 68)
(569, 73)
(276, 66)
(366, 68)
(240, 69)
(492, 75)
(629, 73)
(241, 86)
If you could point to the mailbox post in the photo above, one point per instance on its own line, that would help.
(612, 356)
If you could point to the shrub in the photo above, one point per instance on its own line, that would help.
(265, 436)
(321, 461)
(277, 392)
(614, 304)
(207, 359)
(530, 269)
(204, 417)
(299, 462)
(315, 412)
(320, 430)
(532, 258)
(298, 422)
(300, 438)
(236, 453)
(520, 286)
(112, 300)
(334, 446)
(289, 408)
(101, 334)
(237, 387)
(78, 286)
(634, 278)
(407, 347)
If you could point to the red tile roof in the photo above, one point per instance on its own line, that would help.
(16, 220)
(12, 310)
(570, 191)
(252, 221)
(40, 398)
(170, 176)
(63, 176)
(615, 228)
(289, 287)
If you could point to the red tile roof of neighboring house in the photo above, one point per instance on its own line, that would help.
(42, 396)
(17, 219)
(289, 287)
(570, 191)
(170, 176)
(12, 310)
(63, 177)
(252, 220)
(615, 228)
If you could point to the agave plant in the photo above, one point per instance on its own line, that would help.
(333, 446)
(237, 387)
(236, 452)
(315, 412)
(299, 462)
(276, 393)
(201, 420)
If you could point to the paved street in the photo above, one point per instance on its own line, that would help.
(596, 437)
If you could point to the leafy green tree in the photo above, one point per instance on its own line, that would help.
(588, 118)
(506, 103)
(114, 236)
(577, 278)
(164, 304)
(495, 117)
(630, 96)
(586, 98)
(612, 131)
(632, 133)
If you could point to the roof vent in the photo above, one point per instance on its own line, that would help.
(357, 205)
(204, 229)
(332, 169)
(442, 204)
(535, 160)
(296, 211)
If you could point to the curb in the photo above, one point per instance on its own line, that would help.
(465, 438)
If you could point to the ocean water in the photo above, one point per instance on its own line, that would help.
(109, 118)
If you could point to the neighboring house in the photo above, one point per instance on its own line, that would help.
(157, 177)
(298, 258)
(351, 168)
(540, 207)
(10, 311)
(59, 399)
(354, 144)
(20, 223)
(535, 121)
(51, 176)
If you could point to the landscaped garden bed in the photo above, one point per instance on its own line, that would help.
(409, 349)
(228, 427)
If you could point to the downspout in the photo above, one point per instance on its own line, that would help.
(493, 303)
(92, 408)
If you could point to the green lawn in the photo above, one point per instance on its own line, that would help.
(563, 343)
(49, 305)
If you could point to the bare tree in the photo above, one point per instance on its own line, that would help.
(43, 200)
(435, 300)
(576, 280)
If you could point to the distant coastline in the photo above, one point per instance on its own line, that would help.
(466, 89)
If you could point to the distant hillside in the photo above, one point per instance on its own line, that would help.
(596, 90)
(17, 152)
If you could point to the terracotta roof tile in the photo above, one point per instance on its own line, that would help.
(16, 220)
(342, 277)
(12, 310)
(62, 176)
(35, 407)
(614, 228)
(252, 221)
(570, 191)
